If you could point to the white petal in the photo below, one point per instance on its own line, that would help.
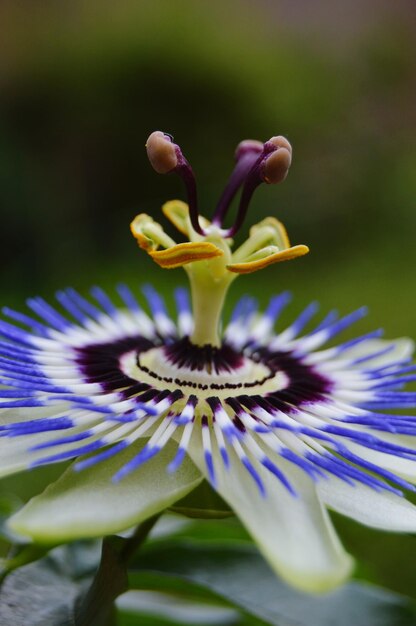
(376, 509)
(14, 454)
(405, 468)
(402, 349)
(88, 504)
(11, 416)
(294, 534)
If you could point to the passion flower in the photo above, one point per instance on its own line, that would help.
(149, 406)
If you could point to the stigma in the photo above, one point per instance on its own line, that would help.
(256, 162)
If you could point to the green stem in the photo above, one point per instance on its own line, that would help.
(209, 281)
(208, 299)
(97, 607)
(138, 538)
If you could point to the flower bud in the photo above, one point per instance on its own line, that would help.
(161, 152)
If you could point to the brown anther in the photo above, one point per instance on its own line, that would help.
(161, 152)
(276, 166)
(281, 142)
(248, 146)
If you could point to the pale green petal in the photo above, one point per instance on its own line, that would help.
(294, 534)
(88, 504)
(382, 510)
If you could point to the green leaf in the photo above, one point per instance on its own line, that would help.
(35, 596)
(229, 529)
(88, 504)
(185, 589)
(240, 576)
(175, 609)
(22, 556)
(127, 618)
(45, 592)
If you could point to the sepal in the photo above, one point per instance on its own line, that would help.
(89, 504)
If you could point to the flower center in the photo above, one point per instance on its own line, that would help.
(206, 369)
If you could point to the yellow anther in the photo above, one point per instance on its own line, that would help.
(275, 257)
(184, 253)
(149, 234)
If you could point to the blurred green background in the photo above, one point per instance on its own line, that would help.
(83, 84)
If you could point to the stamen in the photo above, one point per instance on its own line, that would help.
(165, 157)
